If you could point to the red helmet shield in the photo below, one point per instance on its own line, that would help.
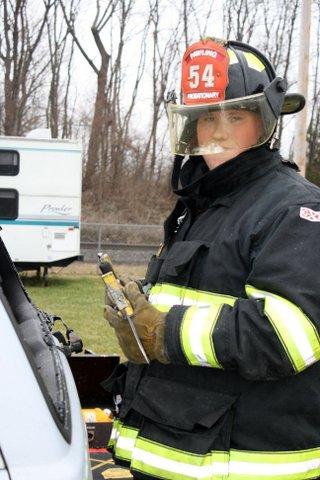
(204, 73)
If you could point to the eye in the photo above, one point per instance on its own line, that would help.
(208, 119)
(236, 117)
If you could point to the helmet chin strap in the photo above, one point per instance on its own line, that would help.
(178, 159)
(274, 141)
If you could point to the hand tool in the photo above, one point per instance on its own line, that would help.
(117, 296)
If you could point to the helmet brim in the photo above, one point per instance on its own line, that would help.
(293, 103)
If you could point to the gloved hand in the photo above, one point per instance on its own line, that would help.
(124, 335)
(150, 325)
(122, 328)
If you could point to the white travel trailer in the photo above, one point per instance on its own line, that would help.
(40, 200)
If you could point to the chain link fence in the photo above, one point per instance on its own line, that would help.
(126, 243)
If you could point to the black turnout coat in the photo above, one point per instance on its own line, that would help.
(239, 278)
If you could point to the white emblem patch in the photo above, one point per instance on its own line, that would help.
(309, 214)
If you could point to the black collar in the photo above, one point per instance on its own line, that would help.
(198, 182)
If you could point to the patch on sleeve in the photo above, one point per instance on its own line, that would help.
(309, 214)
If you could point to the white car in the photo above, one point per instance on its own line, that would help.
(42, 434)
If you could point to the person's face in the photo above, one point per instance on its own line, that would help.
(234, 131)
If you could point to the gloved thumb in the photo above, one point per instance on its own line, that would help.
(133, 294)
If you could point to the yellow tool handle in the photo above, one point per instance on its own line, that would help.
(116, 294)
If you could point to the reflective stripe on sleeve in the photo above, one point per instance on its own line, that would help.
(196, 335)
(166, 462)
(295, 330)
(163, 296)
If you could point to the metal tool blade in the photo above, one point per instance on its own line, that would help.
(136, 336)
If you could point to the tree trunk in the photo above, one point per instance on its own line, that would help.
(97, 129)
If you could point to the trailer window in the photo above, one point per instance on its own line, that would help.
(9, 199)
(9, 162)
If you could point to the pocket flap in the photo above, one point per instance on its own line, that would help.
(180, 406)
(115, 383)
(180, 254)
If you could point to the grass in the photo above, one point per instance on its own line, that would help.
(79, 300)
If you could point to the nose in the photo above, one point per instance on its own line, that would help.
(220, 132)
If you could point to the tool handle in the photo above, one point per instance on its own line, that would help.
(105, 263)
(113, 286)
(116, 294)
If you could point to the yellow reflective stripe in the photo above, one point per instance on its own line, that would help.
(114, 432)
(166, 462)
(290, 465)
(232, 57)
(164, 295)
(290, 456)
(125, 442)
(253, 61)
(196, 335)
(295, 330)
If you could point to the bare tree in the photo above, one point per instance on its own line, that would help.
(140, 71)
(269, 25)
(101, 107)
(109, 127)
(67, 115)
(279, 27)
(185, 15)
(114, 154)
(23, 63)
(163, 60)
(240, 18)
(59, 50)
(313, 136)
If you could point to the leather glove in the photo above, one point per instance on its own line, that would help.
(149, 321)
(122, 328)
(124, 334)
(150, 325)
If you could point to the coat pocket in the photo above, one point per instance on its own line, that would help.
(184, 417)
(185, 432)
(181, 258)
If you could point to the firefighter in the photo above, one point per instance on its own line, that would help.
(232, 316)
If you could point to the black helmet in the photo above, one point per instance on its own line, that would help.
(219, 78)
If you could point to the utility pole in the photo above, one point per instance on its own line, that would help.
(300, 140)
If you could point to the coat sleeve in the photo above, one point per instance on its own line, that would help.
(274, 331)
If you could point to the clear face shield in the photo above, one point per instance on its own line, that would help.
(222, 129)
